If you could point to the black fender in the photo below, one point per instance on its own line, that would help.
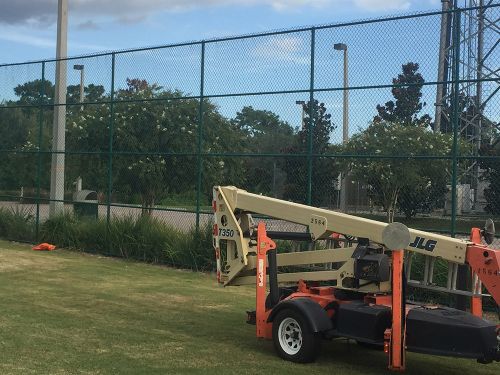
(314, 314)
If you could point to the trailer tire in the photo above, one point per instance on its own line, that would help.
(293, 339)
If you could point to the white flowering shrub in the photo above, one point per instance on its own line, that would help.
(155, 144)
(411, 169)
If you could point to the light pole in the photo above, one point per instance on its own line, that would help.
(345, 121)
(301, 103)
(56, 203)
(81, 69)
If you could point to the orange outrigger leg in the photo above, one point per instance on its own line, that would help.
(476, 304)
(396, 335)
(264, 244)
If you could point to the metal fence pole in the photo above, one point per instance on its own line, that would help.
(311, 120)
(110, 147)
(200, 136)
(39, 153)
(455, 117)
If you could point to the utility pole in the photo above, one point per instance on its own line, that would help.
(56, 205)
(444, 46)
(345, 122)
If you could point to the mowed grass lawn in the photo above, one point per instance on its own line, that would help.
(64, 312)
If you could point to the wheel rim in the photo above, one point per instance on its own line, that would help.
(290, 336)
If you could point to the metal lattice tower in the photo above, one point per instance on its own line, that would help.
(479, 74)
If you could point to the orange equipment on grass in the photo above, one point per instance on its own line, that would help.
(44, 247)
(355, 287)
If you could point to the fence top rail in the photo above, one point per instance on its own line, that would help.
(259, 34)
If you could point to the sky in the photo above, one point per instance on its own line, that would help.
(28, 27)
(274, 63)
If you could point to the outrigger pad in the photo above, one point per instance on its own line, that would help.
(450, 332)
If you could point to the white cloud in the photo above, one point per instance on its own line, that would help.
(34, 41)
(382, 5)
(88, 25)
(43, 12)
(136, 9)
(282, 5)
(28, 40)
(283, 48)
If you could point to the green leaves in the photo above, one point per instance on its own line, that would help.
(143, 238)
(407, 93)
(410, 184)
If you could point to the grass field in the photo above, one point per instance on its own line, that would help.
(70, 313)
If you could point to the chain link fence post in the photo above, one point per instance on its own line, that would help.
(310, 133)
(200, 137)
(39, 153)
(455, 117)
(110, 147)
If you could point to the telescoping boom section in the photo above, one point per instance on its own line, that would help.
(354, 286)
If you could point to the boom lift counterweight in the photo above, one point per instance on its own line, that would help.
(358, 293)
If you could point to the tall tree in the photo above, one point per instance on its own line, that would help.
(92, 93)
(407, 93)
(324, 170)
(29, 93)
(265, 133)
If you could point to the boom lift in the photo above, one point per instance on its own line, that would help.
(356, 291)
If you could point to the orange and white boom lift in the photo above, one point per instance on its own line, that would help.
(356, 291)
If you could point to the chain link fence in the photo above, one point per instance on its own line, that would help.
(341, 116)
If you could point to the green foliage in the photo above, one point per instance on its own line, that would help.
(30, 93)
(265, 133)
(324, 170)
(17, 224)
(141, 238)
(182, 199)
(407, 95)
(144, 127)
(491, 174)
(91, 93)
(16, 134)
(420, 198)
(409, 184)
(440, 277)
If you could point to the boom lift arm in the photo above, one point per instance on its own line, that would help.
(233, 209)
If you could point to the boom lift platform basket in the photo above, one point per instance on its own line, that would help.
(357, 290)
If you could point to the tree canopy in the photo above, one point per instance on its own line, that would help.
(264, 133)
(407, 93)
(409, 184)
(324, 170)
(155, 137)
